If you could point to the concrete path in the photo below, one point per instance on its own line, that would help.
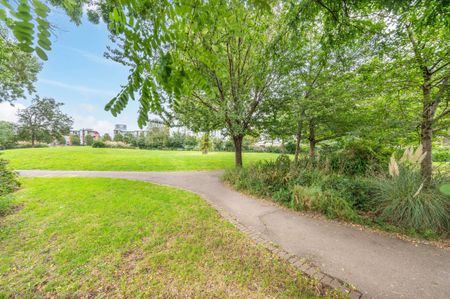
(380, 266)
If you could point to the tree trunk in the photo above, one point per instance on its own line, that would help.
(33, 139)
(426, 133)
(312, 141)
(298, 139)
(428, 110)
(238, 150)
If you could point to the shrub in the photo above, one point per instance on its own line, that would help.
(116, 144)
(98, 144)
(326, 202)
(313, 185)
(357, 157)
(402, 199)
(8, 179)
(441, 154)
(7, 135)
(27, 144)
(358, 191)
(296, 186)
(8, 184)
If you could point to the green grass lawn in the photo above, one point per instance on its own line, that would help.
(80, 237)
(87, 158)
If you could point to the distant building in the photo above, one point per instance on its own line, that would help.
(82, 133)
(122, 130)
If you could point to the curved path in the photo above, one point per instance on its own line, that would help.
(378, 265)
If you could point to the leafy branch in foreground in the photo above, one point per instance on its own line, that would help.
(28, 22)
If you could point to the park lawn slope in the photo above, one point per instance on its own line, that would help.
(79, 237)
(88, 158)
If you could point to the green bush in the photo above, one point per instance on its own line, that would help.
(316, 185)
(8, 179)
(441, 154)
(403, 201)
(27, 144)
(8, 184)
(358, 191)
(116, 144)
(297, 186)
(98, 144)
(8, 136)
(357, 157)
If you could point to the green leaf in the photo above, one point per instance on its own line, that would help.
(41, 54)
(26, 47)
(40, 9)
(45, 44)
(2, 15)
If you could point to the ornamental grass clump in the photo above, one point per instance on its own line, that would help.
(402, 198)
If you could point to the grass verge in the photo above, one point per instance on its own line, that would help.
(79, 237)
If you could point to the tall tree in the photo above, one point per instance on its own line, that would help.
(413, 56)
(420, 55)
(213, 66)
(43, 119)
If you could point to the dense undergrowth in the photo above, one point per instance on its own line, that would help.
(354, 184)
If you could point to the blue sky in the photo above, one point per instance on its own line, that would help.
(78, 75)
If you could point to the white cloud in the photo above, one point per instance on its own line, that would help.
(9, 112)
(79, 88)
(87, 107)
(90, 122)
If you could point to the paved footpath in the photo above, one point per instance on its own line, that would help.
(378, 265)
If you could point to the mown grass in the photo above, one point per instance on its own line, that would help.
(80, 237)
(87, 158)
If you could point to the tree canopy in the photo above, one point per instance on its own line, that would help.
(18, 70)
(318, 70)
(43, 120)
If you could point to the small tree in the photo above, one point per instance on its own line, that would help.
(215, 75)
(157, 137)
(75, 140)
(118, 137)
(106, 137)
(43, 120)
(129, 138)
(89, 140)
(205, 143)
